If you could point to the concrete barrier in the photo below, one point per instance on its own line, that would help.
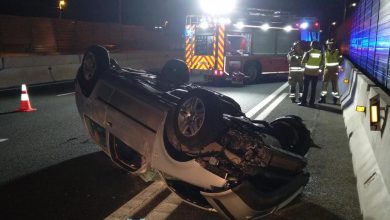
(48, 69)
(347, 89)
(370, 149)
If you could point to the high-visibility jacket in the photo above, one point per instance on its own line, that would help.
(332, 58)
(314, 60)
(294, 61)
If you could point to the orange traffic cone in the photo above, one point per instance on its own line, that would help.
(25, 105)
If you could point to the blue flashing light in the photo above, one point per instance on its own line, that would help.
(304, 25)
(188, 32)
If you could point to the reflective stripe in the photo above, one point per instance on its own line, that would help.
(24, 97)
(296, 69)
(300, 94)
(324, 93)
(332, 64)
(331, 58)
(336, 95)
(292, 95)
(314, 58)
(312, 66)
(315, 55)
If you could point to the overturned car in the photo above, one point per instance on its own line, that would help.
(199, 141)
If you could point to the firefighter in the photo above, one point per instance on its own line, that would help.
(332, 63)
(313, 63)
(295, 76)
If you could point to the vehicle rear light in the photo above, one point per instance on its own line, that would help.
(216, 72)
(221, 72)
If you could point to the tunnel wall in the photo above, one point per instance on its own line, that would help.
(370, 149)
(56, 68)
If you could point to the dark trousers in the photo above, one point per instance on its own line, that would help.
(312, 81)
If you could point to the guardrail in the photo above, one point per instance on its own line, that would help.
(369, 142)
(50, 69)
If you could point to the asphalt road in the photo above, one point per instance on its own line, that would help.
(51, 170)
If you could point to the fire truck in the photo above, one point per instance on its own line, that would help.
(245, 46)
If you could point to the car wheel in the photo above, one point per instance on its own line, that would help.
(95, 61)
(198, 119)
(293, 134)
(252, 70)
(174, 72)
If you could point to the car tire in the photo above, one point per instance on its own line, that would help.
(95, 61)
(253, 71)
(198, 119)
(175, 72)
(293, 134)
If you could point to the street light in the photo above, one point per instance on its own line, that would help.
(61, 6)
(332, 25)
(346, 6)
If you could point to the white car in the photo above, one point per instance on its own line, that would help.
(207, 151)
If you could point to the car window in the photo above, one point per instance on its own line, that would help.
(97, 132)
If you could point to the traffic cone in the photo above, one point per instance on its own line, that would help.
(25, 105)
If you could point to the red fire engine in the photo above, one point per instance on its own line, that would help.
(244, 47)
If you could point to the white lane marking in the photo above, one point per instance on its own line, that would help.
(3, 139)
(134, 205)
(271, 107)
(263, 103)
(64, 94)
(165, 208)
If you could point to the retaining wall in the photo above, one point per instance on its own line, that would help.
(370, 149)
(48, 69)
(50, 36)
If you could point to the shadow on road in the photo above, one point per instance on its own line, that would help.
(7, 113)
(304, 210)
(334, 109)
(189, 212)
(87, 187)
(51, 88)
(270, 78)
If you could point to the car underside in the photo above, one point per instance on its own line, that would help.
(199, 141)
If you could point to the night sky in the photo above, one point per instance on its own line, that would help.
(154, 12)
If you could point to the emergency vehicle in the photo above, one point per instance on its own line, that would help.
(245, 46)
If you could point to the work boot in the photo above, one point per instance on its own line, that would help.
(322, 99)
(334, 101)
(293, 100)
(311, 102)
(302, 103)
